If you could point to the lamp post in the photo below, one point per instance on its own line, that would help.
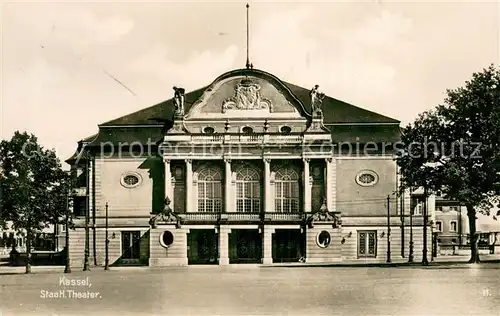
(410, 252)
(388, 230)
(106, 260)
(424, 250)
(402, 208)
(67, 268)
(87, 215)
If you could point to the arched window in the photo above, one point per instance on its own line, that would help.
(287, 191)
(247, 191)
(210, 190)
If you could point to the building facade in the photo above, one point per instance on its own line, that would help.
(249, 169)
(452, 233)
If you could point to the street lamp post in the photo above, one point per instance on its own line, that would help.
(388, 230)
(67, 268)
(106, 260)
(410, 253)
(424, 250)
(87, 215)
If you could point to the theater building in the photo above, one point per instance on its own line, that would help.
(249, 169)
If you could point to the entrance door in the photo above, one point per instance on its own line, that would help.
(287, 245)
(131, 241)
(245, 246)
(202, 246)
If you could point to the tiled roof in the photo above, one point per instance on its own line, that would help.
(128, 135)
(162, 111)
(334, 111)
(337, 111)
(382, 133)
(348, 123)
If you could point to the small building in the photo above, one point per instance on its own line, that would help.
(452, 233)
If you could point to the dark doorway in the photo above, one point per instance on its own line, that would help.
(131, 246)
(202, 246)
(288, 245)
(245, 246)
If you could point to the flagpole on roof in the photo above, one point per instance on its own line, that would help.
(248, 64)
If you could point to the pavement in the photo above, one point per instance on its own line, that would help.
(400, 262)
(251, 290)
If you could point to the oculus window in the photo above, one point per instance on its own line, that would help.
(208, 130)
(166, 239)
(130, 179)
(366, 178)
(285, 129)
(323, 239)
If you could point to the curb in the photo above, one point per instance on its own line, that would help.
(377, 265)
(60, 269)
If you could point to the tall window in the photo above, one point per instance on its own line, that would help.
(439, 226)
(287, 191)
(453, 226)
(418, 208)
(210, 191)
(247, 191)
(367, 244)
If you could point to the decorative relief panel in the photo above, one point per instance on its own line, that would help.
(246, 97)
(256, 96)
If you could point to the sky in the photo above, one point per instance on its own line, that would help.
(61, 61)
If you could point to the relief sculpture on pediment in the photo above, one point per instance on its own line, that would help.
(246, 97)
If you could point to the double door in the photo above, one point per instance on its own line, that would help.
(131, 246)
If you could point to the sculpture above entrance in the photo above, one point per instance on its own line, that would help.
(246, 97)
(250, 94)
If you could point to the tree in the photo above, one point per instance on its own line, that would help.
(420, 163)
(34, 187)
(455, 148)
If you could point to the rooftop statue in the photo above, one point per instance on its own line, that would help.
(179, 96)
(316, 100)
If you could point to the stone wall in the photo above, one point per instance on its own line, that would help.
(175, 254)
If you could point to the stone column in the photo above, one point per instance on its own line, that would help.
(267, 257)
(307, 187)
(168, 182)
(227, 186)
(189, 185)
(268, 198)
(330, 184)
(224, 245)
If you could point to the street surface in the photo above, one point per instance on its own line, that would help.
(252, 290)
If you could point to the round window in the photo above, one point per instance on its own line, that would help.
(285, 129)
(366, 178)
(130, 179)
(247, 130)
(208, 130)
(323, 239)
(166, 239)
